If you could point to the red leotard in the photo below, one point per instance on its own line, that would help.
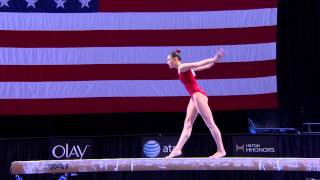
(189, 81)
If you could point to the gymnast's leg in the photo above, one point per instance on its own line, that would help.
(201, 103)
(187, 129)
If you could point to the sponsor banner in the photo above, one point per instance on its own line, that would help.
(70, 148)
(254, 146)
(157, 146)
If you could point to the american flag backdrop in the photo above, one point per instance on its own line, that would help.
(101, 56)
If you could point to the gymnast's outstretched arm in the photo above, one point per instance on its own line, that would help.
(203, 64)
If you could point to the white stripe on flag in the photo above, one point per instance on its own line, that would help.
(132, 55)
(138, 88)
(138, 21)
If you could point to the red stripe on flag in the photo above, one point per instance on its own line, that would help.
(112, 38)
(139, 104)
(33, 73)
(182, 5)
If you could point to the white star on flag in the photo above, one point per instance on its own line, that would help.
(4, 3)
(84, 3)
(60, 3)
(31, 3)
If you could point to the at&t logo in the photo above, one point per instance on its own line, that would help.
(151, 149)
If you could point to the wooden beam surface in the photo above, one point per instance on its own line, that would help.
(160, 164)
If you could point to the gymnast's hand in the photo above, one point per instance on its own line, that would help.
(219, 54)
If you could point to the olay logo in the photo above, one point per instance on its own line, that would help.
(66, 151)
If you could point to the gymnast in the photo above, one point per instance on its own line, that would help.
(198, 100)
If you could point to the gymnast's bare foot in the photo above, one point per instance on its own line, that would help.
(218, 154)
(173, 154)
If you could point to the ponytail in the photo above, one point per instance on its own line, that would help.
(176, 54)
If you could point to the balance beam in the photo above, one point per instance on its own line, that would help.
(161, 164)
